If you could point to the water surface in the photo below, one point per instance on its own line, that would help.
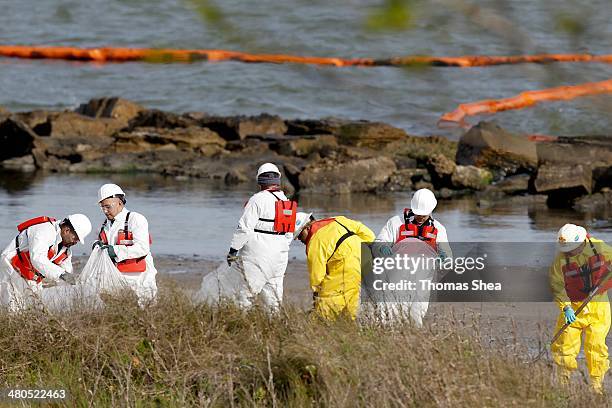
(412, 99)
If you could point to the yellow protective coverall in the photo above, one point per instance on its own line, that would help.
(335, 270)
(594, 321)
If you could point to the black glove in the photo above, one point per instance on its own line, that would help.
(232, 256)
(68, 278)
(110, 250)
(97, 243)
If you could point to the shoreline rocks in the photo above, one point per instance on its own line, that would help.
(329, 156)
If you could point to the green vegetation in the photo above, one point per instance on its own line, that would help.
(175, 353)
(391, 15)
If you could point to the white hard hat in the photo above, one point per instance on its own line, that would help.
(109, 190)
(423, 202)
(301, 219)
(267, 168)
(81, 225)
(570, 237)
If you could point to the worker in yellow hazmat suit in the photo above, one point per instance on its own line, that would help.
(333, 251)
(581, 263)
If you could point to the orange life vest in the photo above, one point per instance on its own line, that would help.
(125, 237)
(22, 261)
(426, 232)
(317, 225)
(285, 212)
(314, 227)
(581, 279)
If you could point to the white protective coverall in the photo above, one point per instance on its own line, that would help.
(264, 256)
(390, 233)
(17, 292)
(142, 283)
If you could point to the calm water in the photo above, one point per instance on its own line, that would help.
(192, 217)
(413, 98)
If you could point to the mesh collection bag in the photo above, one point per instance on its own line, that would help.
(98, 276)
(224, 283)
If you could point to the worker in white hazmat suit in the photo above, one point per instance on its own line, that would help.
(124, 235)
(262, 240)
(40, 252)
(417, 222)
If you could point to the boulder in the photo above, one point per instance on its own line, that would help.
(402, 179)
(55, 165)
(563, 183)
(596, 203)
(423, 184)
(471, 177)
(514, 184)
(593, 150)
(196, 139)
(441, 169)
(292, 174)
(23, 164)
(447, 193)
(217, 167)
(302, 127)
(69, 125)
(489, 146)
(249, 146)
(270, 139)
(35, 120)
(239, 127)
(421, 148)
(303, 147)
(405, 162)
(492, 197)
(161, 161)
(119, 109)
(553, 177)
(369, 134)
(16, 139)
(602, 177)
(329, 176)
(235, 177)
(441, 165)
(70, 137)
(154, 118)
(71, 149)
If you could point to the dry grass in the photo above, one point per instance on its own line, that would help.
(175, 353)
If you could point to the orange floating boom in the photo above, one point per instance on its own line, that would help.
(111, 54)
(525, 100)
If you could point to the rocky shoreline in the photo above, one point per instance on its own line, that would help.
(327, 156)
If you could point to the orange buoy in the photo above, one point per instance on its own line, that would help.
(114, 54)
(524, 100)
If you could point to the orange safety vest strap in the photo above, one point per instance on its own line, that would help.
(315, 226)
(23, 263)
(126, 238)
(102, 234)
(34, 221)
